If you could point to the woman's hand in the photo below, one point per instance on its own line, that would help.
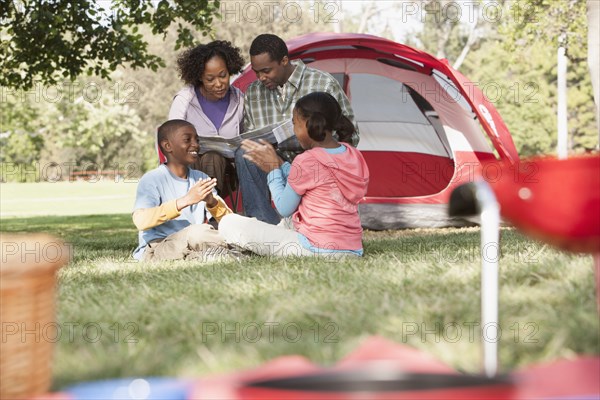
(262, 154)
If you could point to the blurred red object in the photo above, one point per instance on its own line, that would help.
(555, 201)
(576, 378)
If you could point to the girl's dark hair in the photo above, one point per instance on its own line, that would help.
(191, 62)
(323, 114)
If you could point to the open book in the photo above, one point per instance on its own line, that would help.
(276, 133)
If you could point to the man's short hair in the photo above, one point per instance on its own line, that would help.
(168, 128)
(271, 44)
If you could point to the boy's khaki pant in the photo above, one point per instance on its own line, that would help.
(194, 238)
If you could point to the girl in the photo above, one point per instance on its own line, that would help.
(320, 190)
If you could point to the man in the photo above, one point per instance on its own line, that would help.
(270, 100)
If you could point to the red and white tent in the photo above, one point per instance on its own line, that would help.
(423, 125)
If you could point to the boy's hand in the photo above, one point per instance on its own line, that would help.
(201, 191)
(262, 154)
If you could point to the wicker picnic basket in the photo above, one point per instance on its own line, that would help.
(28, 266)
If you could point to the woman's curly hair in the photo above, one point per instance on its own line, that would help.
(191, 62)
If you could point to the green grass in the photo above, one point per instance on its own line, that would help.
(157, 319)
(67, 198)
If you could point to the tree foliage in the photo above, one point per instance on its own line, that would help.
(452, 29)
(240, 22)
(91, 129)
(547, 25)
(559, 23)
(56, 39)
(115, 125)
(520, 91)
(520, 75)
(513, 60)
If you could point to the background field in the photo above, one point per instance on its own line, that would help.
(67, 198)
(417, 287)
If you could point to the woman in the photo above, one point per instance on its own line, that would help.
(208, 101)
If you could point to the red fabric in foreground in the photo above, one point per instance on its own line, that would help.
(575, 378)
(565, 379)
(556, 201)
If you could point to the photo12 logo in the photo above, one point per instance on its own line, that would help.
(467, 11)
(273, 11)
(71, 332)
(453, 332)
(269, 331)
(70, 172)
(26, 252)
(74, 91)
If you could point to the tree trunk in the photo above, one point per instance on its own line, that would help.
(338, 26)
(369, 12)
(470, 42)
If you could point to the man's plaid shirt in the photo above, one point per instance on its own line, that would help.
(263, 107)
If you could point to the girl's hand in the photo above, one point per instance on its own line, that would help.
(262, 154)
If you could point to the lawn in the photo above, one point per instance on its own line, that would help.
(418, 287)
(67, 198)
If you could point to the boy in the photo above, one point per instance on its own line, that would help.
(173, 202)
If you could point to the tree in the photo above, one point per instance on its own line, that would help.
(376, 18)
(522, 85)
(89, 128)
(452, 29)
(552, 24)
(240, 22)
(148, 92)
(561, 23)
(520, 91)
(117, 126)
(53, 40)
(20, 139)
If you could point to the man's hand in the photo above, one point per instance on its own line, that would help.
(262, 154)
(201, 191)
